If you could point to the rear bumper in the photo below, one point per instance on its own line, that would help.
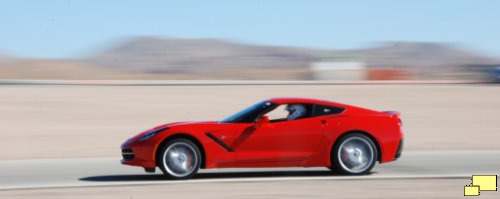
(399, 150)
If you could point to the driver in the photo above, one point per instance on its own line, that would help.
(295, 111)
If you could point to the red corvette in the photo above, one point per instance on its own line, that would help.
(279, 132)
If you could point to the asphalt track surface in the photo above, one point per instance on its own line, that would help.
(46, 173)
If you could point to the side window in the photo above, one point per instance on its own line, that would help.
(320, 110)
(278, 114)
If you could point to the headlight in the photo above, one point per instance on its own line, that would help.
(151, 134)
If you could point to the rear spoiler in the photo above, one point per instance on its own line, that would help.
(392, 113)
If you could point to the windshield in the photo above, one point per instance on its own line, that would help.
(249, 114)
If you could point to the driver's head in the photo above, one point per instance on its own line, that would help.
(295, 111)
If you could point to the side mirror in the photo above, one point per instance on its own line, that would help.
(261, 121)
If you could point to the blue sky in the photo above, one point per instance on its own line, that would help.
(71, 28)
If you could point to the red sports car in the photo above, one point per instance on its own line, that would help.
(279, 132)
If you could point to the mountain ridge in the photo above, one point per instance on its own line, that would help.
(171, 58)
(157, 55)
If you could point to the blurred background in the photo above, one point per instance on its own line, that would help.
(78, 78)
(250, 40)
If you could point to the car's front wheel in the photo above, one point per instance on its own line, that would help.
(354, 154)
(180, 159)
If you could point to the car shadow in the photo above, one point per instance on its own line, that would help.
(214, 175)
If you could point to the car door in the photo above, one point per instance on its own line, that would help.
(275, 144)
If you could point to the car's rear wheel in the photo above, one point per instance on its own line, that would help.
(180, 159)
(355, 154)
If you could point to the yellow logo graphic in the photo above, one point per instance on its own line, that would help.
(481, 183)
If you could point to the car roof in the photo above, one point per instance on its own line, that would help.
(288, 100)
(291, 100)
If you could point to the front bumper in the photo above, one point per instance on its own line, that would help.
(138, 163)
(128, 154)
(138, 154)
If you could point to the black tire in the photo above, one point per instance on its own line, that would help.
(358, 157)
(182, 151)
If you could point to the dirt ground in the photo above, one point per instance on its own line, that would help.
(92, 121)
(395, 188)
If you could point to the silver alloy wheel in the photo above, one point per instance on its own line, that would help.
(180, 159)
(356, 155)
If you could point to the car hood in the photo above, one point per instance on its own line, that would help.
(174, 124)
(169, 125)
